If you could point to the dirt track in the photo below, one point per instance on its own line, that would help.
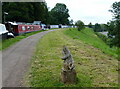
(15, 60)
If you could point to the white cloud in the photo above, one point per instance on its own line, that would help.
(95, 11)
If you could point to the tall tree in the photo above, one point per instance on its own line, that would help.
(26, 11)
(17, 11)
(59, 14)
(115, 31)
(104, 27)
(40, 12)
(97, 27)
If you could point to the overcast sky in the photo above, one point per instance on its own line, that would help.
(95, 11)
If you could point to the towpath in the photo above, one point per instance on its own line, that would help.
(15, 60)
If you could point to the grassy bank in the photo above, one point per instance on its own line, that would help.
(8, 42)
(88, 36)
(93, 67)
(103, 37)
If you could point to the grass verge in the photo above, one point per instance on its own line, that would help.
(8, 42)
(89, 37)
(93, 67)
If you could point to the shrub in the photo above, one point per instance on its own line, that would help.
(103, 37)
(80, 25)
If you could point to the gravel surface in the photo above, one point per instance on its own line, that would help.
(15, 60)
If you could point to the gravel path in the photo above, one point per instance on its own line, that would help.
(15, 60)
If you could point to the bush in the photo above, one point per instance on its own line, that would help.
(103, 37)
(80, 25)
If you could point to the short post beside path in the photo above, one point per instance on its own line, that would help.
(68, 73)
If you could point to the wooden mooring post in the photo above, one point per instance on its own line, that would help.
(68, 73)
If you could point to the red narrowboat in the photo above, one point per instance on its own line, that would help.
(18, 29)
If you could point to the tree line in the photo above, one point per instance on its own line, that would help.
(35, 11)
(113, 27)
